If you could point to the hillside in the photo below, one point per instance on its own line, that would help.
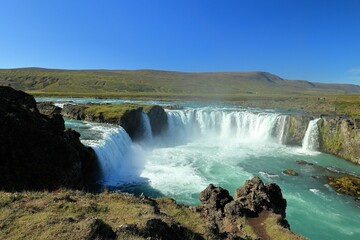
(153, 83)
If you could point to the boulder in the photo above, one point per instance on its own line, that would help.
(35, 151)
(349, 185)
(255, 196)
(303, 162)
(98, 229)
(215, 198)
(290, 172)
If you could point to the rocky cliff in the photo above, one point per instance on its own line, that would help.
(129, 116)
(36, 152)
(341, 137)
(295, 129)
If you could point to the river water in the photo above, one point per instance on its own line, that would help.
(226, 145)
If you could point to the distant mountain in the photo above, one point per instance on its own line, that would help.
(155, 82)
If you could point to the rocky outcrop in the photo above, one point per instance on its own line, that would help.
(73, 111)
(158, 120)
(254, 198)
(133, 124)
(36, 152)
(48, 108)
(340, 137)
(296, 129)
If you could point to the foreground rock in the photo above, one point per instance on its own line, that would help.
(81, 215)
(36, 152)
(262, 203)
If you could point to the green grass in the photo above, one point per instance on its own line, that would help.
(274, 232)
(113, 111)
(67, 214)
(256, 89)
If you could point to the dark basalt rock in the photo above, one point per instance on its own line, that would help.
(251, 199)
(132, 122)
(158, 120)
(215, 198)
(48, 108)
(76, 112)
(99, 230)
(157, 229)
(35, 151)
(255, 196)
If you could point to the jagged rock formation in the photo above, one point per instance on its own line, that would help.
(340, 137)
(36, 152)
(251, 200)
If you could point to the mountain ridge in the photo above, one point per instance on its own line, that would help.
(163, 81)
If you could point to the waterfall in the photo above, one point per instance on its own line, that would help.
(147, 133)
(280, 129)
(119, 158)
(226, 124)
(311, 138)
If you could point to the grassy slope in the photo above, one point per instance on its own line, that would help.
(113, 111)
(67, 214)
(248, 88)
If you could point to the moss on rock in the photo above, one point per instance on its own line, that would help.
(349, 185)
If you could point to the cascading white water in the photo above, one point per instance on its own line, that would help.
(225, 124)
(119, 158)
(147, 133)
(311, 138)
(281, 128)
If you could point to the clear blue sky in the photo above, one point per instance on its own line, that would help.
(316, 40)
